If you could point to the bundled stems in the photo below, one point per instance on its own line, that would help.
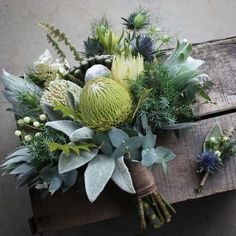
(152, 206)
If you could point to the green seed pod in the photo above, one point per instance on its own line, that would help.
(104, 104)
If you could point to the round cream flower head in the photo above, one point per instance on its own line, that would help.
(56, 92)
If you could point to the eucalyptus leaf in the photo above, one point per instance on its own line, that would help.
(128, 145)
(65, 126)
(81, 134)
(48, 173)
(149, 139)
(177, 126)
(69, 178)
(97, 174)
(117, 136)
(121, 176)
(102, 140)
(74, 161)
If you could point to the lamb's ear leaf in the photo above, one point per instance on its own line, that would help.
(65, 126)
(121, 176)
(75, 161)
(54, 185)
(97, 174)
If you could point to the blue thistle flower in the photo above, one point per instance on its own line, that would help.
(145, 46)
(208, 161)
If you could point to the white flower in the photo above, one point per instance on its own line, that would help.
(45, 58)
(225, 138)
(213, 139)
(42, 117)
(28, 138)
(18, 133)
(36, 124)
(20, 122)
(218, 153)
(37, 134)
(27, 120)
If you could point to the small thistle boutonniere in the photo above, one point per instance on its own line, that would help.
(218, 147)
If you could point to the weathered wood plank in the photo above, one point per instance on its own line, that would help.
(177, 186)
(220, 65)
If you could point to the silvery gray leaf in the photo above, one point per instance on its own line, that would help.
(81, 134)
(97, 174)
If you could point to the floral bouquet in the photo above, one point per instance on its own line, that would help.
(98, 120)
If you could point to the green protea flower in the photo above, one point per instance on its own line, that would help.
(56, 92)
(104, 104)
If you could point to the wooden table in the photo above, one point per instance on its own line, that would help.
(71, 209)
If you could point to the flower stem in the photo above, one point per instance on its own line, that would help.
(203, 181)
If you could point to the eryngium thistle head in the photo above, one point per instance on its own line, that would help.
(137, 20)
(56, 92)
(208, 161)
(104, 104)
(145, 46)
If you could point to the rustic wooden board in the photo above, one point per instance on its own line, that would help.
(177, 186)
(72, 208)
(220, 65)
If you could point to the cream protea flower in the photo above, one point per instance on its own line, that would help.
(126, 68)
(104, 104)
(56, 92)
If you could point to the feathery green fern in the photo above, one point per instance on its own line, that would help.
(53, 32)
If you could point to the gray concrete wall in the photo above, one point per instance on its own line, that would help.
(21, 42)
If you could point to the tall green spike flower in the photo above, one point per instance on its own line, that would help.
(104, 104)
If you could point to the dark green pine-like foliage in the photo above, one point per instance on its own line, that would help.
(164, 105)
(42, 156)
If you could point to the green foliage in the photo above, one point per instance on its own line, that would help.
(56, 47)
(66, 111)
(53, 32)
(39, 149)
(30, 102)
(67, 148)
(164, 105)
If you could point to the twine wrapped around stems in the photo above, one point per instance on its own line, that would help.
(151, 204)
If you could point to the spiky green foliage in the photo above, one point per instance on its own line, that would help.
(102, 25)
(93, 47)
(164, 105)
(53, 32)
(38, 146)
(68, 147)
(30, 102)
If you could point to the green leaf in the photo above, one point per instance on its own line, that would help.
(178, 126)
(102, 140)
(69, 178)
(65, 126)
(204, 95)
(121, 176)
(74, 161)
(160, 155)
(48, 173)
(54, 185)
(117, 136)
(129, 145)
(81, 134)
(149, 140)
(66, 111)
(97, 174)
(24, 168)
(51, 113)
(215, 131)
